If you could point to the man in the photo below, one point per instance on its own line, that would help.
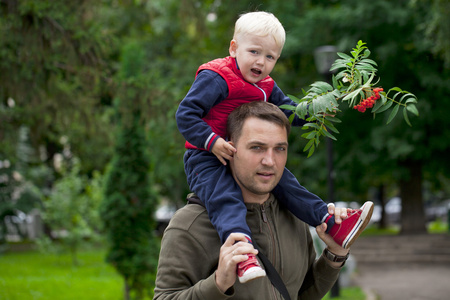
(194, 264)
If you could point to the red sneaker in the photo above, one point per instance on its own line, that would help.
(349, 230)
(250, 269)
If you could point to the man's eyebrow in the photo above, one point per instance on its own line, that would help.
(283, 144)
(259, 143)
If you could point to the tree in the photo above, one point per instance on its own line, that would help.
(53, 67)
(70, 211)
(129, 200)
(407, 155)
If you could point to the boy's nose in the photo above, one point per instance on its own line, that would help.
(260, 61)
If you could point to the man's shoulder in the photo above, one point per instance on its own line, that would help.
(190, 217)
(190, 225)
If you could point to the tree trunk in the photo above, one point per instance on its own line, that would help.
(126, 290)
(413, 214)
(382, 200)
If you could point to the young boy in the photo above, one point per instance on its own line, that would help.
(220, 86)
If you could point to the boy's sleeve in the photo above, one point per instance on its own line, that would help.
(279, 98)
(208, 89)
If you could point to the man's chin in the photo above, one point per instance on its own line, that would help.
(262, 189)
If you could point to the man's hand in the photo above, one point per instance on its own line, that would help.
(223, 150)
(339, 215)
(332, 246)
(232, 252)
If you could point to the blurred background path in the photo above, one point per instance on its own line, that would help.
(404, 267)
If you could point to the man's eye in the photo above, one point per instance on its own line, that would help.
(256, 148)
(281, 148)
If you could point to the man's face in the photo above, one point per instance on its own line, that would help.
(256, 56)
(259, 162)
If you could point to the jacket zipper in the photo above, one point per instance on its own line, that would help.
(264, 93)
(263, 213)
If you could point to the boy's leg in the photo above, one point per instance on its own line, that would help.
(312, 210)
(214, 185)
(216, 188)
(302, 203)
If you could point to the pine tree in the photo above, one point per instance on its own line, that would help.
(129, 202)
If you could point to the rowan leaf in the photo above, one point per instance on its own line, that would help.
(412, 108)
(405, 116)
(328, 134)
(384, 107)
(309, 145)
(393, 113)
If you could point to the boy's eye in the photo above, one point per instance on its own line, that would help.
(253, 51)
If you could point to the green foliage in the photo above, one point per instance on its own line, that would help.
(354, 84)
(129, 200)
(52, 66)
(127, 212)
(434, 28)
(59, 73)
(71, 213)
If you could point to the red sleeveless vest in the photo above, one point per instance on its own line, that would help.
(239, 92)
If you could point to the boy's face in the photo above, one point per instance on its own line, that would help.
(256, 56)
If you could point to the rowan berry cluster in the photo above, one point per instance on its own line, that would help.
(369, 102)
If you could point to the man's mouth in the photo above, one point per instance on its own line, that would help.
(265, 174)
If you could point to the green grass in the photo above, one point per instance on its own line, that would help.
(373, 230)
(435, 227)
(32, 275)
(348, 293)
(438, 226)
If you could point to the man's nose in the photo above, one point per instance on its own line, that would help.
(268, 159)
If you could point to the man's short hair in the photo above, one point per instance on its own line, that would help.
(261, 24)
(257, 109)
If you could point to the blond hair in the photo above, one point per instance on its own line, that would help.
(261, 24)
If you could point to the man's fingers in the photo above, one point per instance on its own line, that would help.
(234, 238)
(243, 249)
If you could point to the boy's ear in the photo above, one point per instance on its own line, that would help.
(232, 49)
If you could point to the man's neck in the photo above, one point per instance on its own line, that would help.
(254, 198)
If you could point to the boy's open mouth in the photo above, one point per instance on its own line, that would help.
(256, 71)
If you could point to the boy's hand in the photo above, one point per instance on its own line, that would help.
(338, 212)
(223, 150)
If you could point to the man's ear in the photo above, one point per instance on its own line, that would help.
(232, 49)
